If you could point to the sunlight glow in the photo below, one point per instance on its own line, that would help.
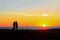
(44, 25)
(44, 14)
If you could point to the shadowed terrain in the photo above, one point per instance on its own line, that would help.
(29, 34)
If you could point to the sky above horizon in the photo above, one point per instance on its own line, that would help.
(18, 5)
(30, 12)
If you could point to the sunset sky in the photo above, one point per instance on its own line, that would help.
(30, 12)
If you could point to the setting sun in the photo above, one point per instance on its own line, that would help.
(44, 25)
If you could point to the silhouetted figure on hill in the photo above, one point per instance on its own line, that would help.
(15, 25)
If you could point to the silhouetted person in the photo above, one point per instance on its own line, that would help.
(15, 25)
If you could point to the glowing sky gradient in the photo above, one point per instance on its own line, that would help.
(30, 12)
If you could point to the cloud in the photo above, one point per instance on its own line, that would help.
(27, 14)
(37, 14)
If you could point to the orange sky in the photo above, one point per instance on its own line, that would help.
(30, 12)
(30, 18)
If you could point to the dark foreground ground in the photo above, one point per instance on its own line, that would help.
(30, 34)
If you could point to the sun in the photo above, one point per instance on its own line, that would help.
(44, 25)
